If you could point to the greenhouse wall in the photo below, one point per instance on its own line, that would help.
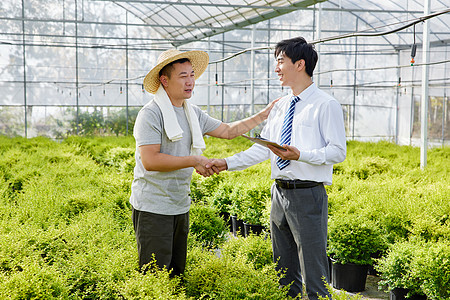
(76, 67)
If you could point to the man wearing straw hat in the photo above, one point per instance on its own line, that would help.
(169, 141)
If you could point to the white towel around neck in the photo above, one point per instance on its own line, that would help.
(171, 126)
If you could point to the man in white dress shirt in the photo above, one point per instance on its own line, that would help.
(315, 142)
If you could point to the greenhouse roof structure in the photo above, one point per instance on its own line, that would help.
(61, 60)
(186, 21)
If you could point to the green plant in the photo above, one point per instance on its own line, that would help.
(221, 198)
(66, 229)
(156, 284)
(354, 239)
(211, 277)
(419, 266)
(254, 199)
(206, 227)
(256, 250)
(431, 264)
(202, 188)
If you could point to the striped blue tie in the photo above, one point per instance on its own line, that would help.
(286, 130)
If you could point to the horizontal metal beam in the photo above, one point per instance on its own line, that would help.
(270, 7)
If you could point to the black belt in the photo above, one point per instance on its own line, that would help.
(296, 184)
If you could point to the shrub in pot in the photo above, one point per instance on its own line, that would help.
(207, 228)
(221, 199)
(352, 242)
(354, 239)
(236, 211)
(396, 269)
(433, 267)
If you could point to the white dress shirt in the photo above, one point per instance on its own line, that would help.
(317, 131)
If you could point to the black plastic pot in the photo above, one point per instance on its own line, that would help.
(349, 277)
(252, 228)
(400, 294)
(227, 218)
(238, 226)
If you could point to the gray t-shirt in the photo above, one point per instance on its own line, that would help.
(165, 193)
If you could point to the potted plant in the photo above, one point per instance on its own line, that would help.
(352, 242)
(253, 206)
(416, 269)
(236, 212)
(207, 228)
(221, 199)
(432, 265)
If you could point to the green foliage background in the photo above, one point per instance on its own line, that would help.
(66, 230)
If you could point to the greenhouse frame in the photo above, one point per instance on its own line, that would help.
(77, 66)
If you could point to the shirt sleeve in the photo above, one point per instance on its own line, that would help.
(332, 129)
(207, 123)
(148, 127)
(252, 156)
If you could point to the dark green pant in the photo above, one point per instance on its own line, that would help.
(162, 236)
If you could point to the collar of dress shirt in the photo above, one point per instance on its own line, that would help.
(307, 92)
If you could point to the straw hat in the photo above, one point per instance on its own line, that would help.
(198, 59)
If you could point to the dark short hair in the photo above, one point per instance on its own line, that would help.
(167, 70)
(296, 49)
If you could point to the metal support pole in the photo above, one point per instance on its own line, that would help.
(126, 57)
(444, 103)
(397, 95)
(223, 75)
(24, 69)
(354, 84)
(268, 61)
(76, 64)
(425, 77)
(411, 123)
(252, 75)
(209, 78)
(318, 36)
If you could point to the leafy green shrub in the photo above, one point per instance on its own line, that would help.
(211, 277)
(353, 239)
(222, 197)
(431, 264)
(254, 198)
(370, 166)
(421, 267)
(120, 158)
(206, 227)
(156, 284)
(396, 267)
(203, 187)
(34, 281)
(256, 250)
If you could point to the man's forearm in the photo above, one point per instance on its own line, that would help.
(165, 163)
(240, 127)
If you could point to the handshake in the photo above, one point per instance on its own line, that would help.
(207, 167)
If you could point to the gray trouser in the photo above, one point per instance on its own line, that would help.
(163, 236)
(298, 224)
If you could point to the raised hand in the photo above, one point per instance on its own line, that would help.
(266, 111)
